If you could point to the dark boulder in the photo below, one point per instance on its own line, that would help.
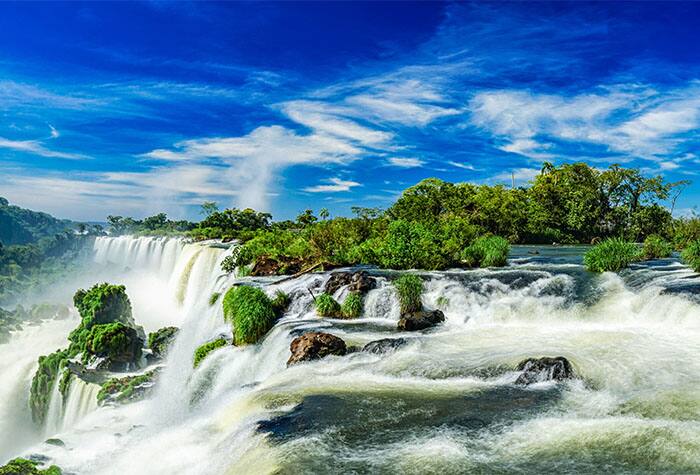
(384, 345)
(420, 320)
(315, 345)
(537, 370)
(360, 282)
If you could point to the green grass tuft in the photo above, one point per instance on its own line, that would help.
(656, 247)
(409, 288)
(213, 298)
(204, 350)
(611, 255)
(326, 306)
(352, 305)
(487, 251)
(251, 313)
(691, 255)
(280, 303)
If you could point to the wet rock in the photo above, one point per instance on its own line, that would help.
(268, 266)
(384, 345)
(420, 320)
(356, 282)
(536, 370)
(55, 442)
(159, 341)
(315, 345)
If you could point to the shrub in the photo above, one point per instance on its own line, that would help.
(21, 466)
(115, 341)
(352, 305)
(409, 288)
(487, 251)
(280, 303)
(691, 255)
(251, 313)
(656, 247)
(611, 255)
(204, 350)
(326, 306)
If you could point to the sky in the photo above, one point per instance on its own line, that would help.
(136, 108)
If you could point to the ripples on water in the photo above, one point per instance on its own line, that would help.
(443, 403)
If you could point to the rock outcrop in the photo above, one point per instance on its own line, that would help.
(537, 370)
(356, 281)
(385, 345)
(314, 346)
(420, 320)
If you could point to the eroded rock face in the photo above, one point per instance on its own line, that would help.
(356, 282)
(385, 345)
(537, 370)
(420, 320)
(314, 346)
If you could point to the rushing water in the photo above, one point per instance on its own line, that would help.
(444, 403)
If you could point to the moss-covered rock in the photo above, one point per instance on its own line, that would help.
(352, 305)
(116, 342)
(327, 306)
(204, 350)
(21, 466)
(213, 298)
(251, 313)
(43, 381)
(127, 389)
(159, 341)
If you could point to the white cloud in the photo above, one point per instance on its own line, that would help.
(336, 185)
(406, 162)
(54, 133)
(464, 166)
(35, 147)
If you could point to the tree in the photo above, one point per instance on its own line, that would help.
(306, 218)
(324, 214)
(208, 207)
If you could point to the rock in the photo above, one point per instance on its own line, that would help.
(315, 345)
(56, 442)
(536, 370)
(384, 345)
(283, 265)
(420, 320)
(159, 341)
(356, 281)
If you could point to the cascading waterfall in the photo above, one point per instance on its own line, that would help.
(444, 402)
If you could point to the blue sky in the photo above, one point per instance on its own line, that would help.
(136, 108)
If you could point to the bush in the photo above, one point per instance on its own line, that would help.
(103, 303)
(656, 247)
(115, 341)
(409, 288)
(251, 313)
(20, 466)
(352, 305)
(326, 306)
(280, 303)
(487, 251)
(691, 255)
(204, 350)
(611, 255)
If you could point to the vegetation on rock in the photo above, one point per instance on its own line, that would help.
(611, 255)
(160, 340)
(487, 251)
(327, 306)
(691, 255)
(251, 313)
(115, 341)
(129, 388)
(280, 303)
(204, 350)
(43, 381)
(352, 305)
(409, 288)
(213, 298)
(656, 247)
(20, 466)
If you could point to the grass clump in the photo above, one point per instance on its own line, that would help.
(327, 306)
(213, 298)
(204, 350)
(20, 466)
(611, 255)
(352, 305)
(409, 288)
(691, 255)
(656, 247)
(487, 251)
(280, 303)
(251, 313)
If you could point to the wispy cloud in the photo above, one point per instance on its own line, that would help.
(336, 185)
(405, 162)
(35, 147)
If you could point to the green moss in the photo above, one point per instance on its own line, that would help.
(409, 288)
(213, 298)
(159, 341)
(611, 255)
(352, 305)
(442, 302)
(326, 306)
(280, 303)
(691, 255)
(202, 352)
(103, 303)
(656, 247)
(64, 383)
(487, 251)
(115, 341)
(251, 313)
(125, 389)
(43, 381)
(21, 466)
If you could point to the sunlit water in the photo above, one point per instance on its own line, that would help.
(444, 403)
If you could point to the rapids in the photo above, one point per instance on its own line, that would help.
(444, 403)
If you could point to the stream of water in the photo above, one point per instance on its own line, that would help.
(444, 403)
